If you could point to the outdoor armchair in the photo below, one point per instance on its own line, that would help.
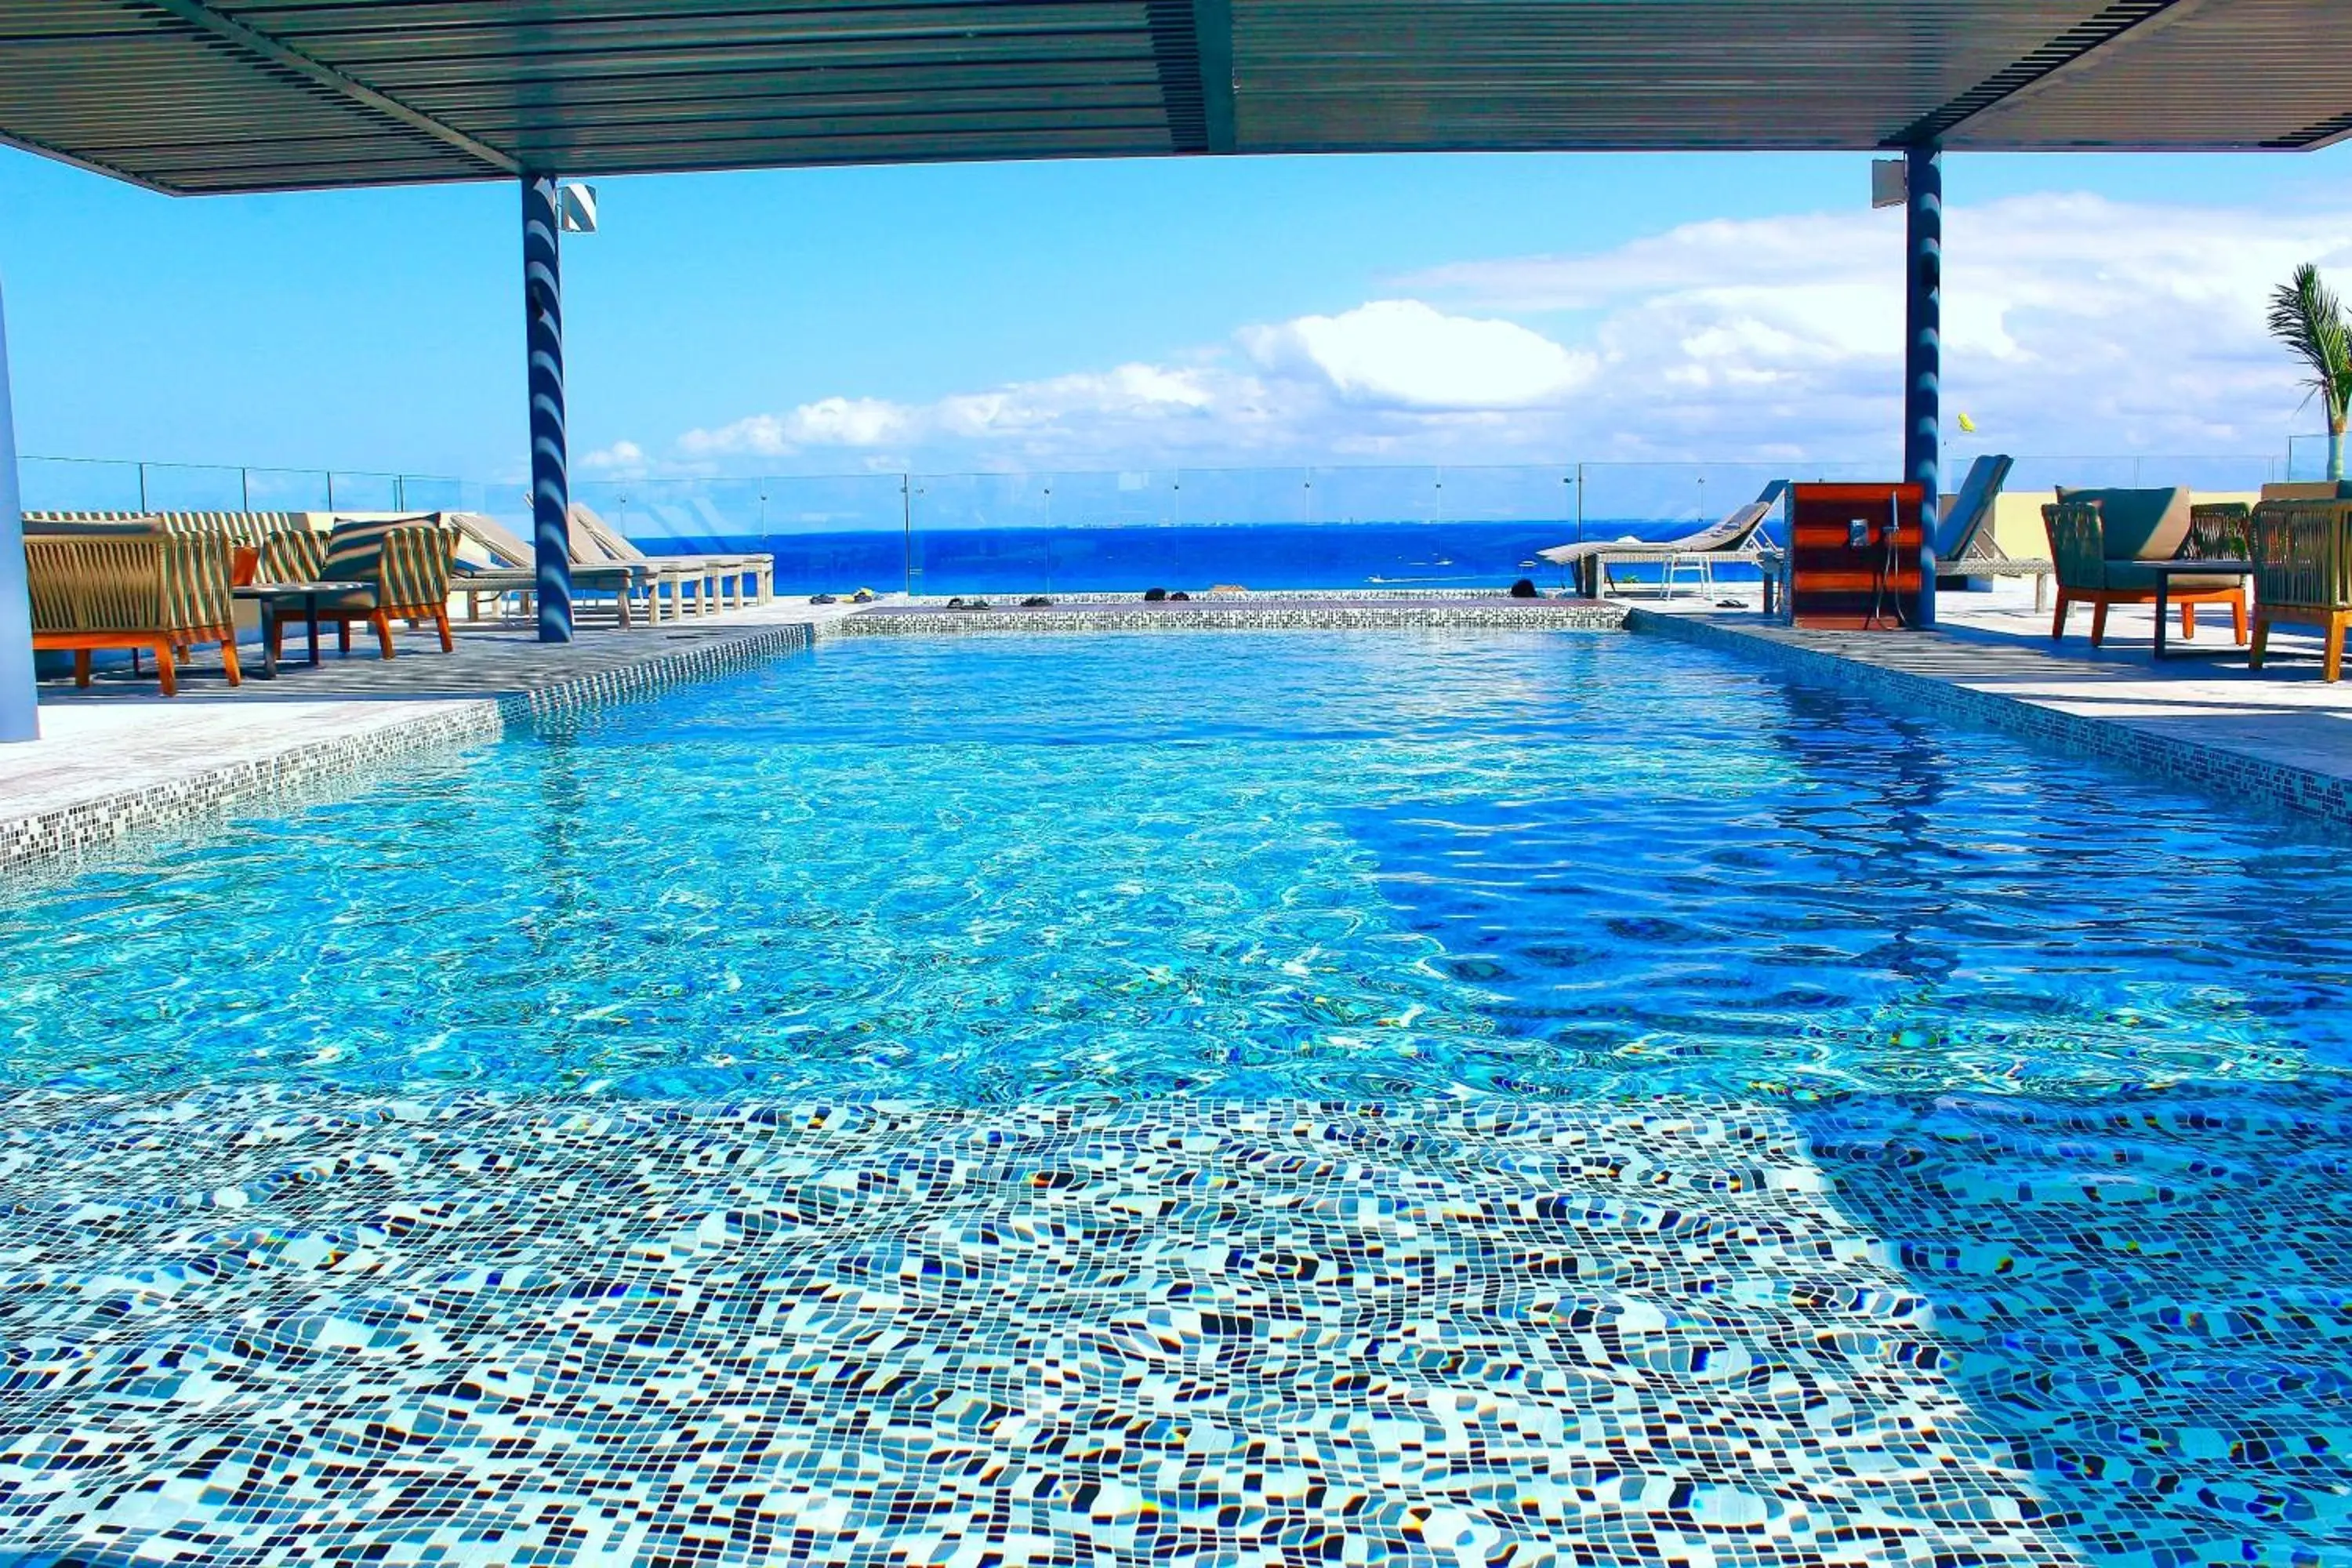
(2101, 563)
(150, 591)
(2302, 574)
(404, 562)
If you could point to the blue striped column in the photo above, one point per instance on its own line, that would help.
(551, 480)
(20, 716)
(1923, 352)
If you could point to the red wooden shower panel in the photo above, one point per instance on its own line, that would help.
(1840, 574)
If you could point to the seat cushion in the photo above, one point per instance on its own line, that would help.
(2135, 577)
(2139, 525)
(355, 548)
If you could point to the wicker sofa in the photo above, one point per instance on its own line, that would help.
(131, 588)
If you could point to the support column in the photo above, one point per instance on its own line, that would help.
(550, 482)
(19, 715)
(1923, 352)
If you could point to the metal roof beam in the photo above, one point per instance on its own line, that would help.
(1213, 31)
(269, 49)
(86, 164)
(2077, 49)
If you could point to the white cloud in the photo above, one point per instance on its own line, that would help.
(621, 459)
(828, 422)
(1402, 353)
(2071, 323)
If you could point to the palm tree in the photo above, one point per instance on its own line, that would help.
(2306, 317)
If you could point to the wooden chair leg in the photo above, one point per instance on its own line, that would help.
(2098, 623)
(383, 625)
(228, 658)
(81, 667)
(2332, 670)
(441, 619)
(2058, 621)
(342, 637)
(2188, 623)
(2237, 618)
(165, 674)
(2262, 641)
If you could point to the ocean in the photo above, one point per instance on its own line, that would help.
(1261, 557)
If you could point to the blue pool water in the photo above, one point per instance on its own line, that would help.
(1334, 866)
(1781, 1130)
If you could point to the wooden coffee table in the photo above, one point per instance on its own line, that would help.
(269, 595)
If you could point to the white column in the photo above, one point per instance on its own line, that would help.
(19, 717)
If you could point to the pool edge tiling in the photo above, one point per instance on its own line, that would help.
(35, 841)
(1271, 612)
(343, 1329)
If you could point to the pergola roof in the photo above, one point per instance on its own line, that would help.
(244, 95)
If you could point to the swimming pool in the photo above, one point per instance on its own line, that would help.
(1321, 865)
(1474, 1096)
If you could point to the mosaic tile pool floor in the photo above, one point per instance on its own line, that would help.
(259, 1327)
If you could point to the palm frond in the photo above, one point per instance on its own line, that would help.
(2307, 318)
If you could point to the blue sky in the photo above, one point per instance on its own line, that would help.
(1120, 314)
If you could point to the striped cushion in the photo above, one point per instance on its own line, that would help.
(416, 566)
(293, 557)
(196, 583)
(355, 549)
(249, 528)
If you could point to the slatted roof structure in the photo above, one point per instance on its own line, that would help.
(207, 96)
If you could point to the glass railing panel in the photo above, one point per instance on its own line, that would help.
(285, 490)
(2306, 457)
(77, 484)
(365, 492)
(827, 533)
(983, 536)
(2217, 475)
(420, 492)
(194, 487)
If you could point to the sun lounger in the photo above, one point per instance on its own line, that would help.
(1965, 545)
(507, 566)
(148, 591)
(712, 571)
(1732, 539)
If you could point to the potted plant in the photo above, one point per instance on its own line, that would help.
(2306, 317)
